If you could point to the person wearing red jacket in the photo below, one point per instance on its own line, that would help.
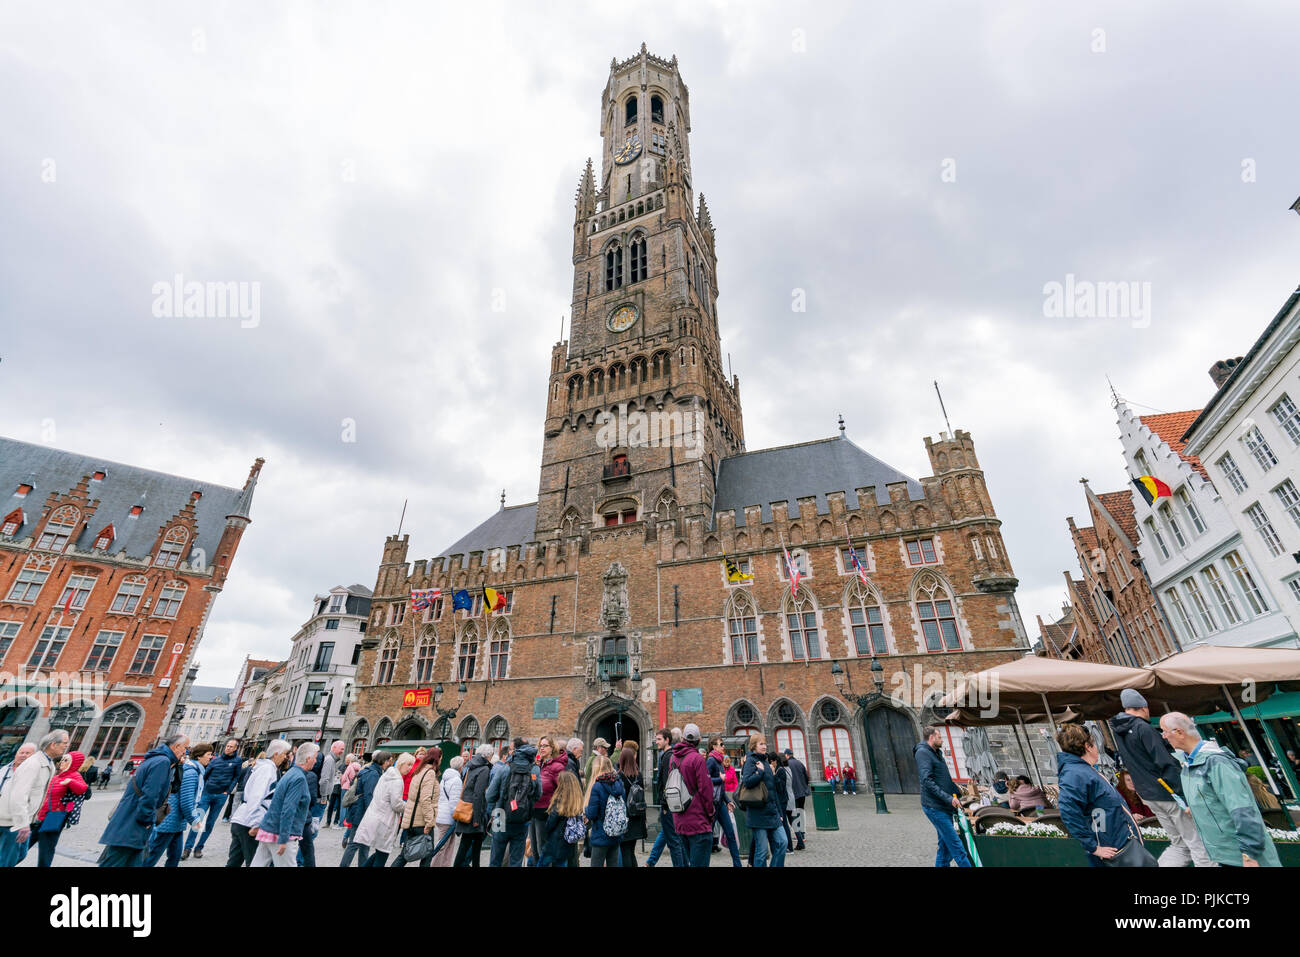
(552, 761)
(694, 824)
(65, 787)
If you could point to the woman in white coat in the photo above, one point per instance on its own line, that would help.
(448, 796)
(378, 833)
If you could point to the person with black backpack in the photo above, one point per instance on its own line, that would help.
(511, 796)
(629, 775)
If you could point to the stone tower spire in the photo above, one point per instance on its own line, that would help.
(586, 198)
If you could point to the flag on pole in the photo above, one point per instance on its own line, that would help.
(461, 599)
(422, 598)
(853, 555)
(1151, 488)
(791, 570)
(492, 600)
(734, 574)
(68, 604)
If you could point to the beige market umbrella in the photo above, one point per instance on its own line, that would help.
(1200, 679)
(1046, 685)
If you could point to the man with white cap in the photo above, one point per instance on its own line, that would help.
(691, 804)
(1150, 763)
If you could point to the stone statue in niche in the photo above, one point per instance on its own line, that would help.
(613, 606)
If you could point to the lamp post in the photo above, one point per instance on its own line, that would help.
(445, 715)
(622, 704)
(865, 701)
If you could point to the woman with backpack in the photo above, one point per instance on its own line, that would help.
(763, 813)
(421, 804)
(474, 794)
(606, 812)
(564, 825)
(65, 793)
(629, 775)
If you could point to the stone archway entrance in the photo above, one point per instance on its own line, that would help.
(893, 737)
(602, 719)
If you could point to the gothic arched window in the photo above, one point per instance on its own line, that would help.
(742, 629)
(866, 618)
(499, 649)
(638, 259)
(59, 529)
(467, 657)
(656, 109)
(613, 267)
(387, 662)
(424, 660)
(801, 620)
(934, 609)
(629, 111)
(173, 546)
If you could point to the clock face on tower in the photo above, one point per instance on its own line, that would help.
(629, 151)
(622, 319)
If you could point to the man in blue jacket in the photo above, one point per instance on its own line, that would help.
(518, 781)
(132, 822)
(282, 827)
(1092, 811)
(939, 801)
(221, 775)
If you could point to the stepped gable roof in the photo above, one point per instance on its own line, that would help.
(1171, 427)
(1089, 536)
(790, 472)
(512, 525)
(123, 486)
(1120, 506)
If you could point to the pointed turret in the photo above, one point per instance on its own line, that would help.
(702, 216)
(244, 505)
(586, 197)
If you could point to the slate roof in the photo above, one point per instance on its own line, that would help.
(210, 694)
(514, 525)
(790, 472)
(54, 470)
(1120, 506)
(1171, 427)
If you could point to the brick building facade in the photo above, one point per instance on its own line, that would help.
(620, 615)
(108, 573)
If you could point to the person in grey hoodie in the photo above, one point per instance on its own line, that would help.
(1149, 761)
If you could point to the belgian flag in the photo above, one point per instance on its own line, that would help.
(1151, 488)
(492, 600)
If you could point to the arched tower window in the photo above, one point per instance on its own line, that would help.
(614, 267)
(656, 109)
(638, 259)
(629, 111)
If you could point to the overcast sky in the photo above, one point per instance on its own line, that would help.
(922, 171)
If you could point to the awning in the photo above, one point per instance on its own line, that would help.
(1285, 704)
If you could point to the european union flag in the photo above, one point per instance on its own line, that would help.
(461, 599)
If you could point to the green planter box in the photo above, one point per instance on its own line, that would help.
(1011, 851)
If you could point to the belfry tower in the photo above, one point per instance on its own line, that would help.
(640, 411)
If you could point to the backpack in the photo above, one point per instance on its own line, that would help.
(353, 794)
(614, 820)
(636, 806)
(575, 829)
(518, 802)
(676, 794)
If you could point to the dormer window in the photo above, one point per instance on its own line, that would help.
(195, 495)
(137, 511)
(99, 476)
(22, 490)
(59, 529)
(173, 547)
(12, 522)
(105, 537)
(336, 603)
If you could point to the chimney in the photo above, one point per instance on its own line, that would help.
(1222, 369)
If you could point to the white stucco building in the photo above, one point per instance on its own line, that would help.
(319, 671)
(1206, 578)
(1249, 435)
(205, 712)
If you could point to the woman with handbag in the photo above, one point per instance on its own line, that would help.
(66, 789)
(763, 812)
(448, 797)
(376, 835)
(421, 812)
(471, 810)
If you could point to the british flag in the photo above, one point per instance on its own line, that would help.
(422, 598)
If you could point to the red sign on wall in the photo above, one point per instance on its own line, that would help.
(417, 697)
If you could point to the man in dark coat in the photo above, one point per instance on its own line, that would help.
(939, 800)
(1149, 762)
(513, 792)
(132, 822)
(799, 775)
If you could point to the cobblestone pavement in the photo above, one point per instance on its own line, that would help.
(903, 838)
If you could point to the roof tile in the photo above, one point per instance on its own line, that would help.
(1171, 427)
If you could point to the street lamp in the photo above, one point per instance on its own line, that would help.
(622, 704)
(445, 715)
(865, 701)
